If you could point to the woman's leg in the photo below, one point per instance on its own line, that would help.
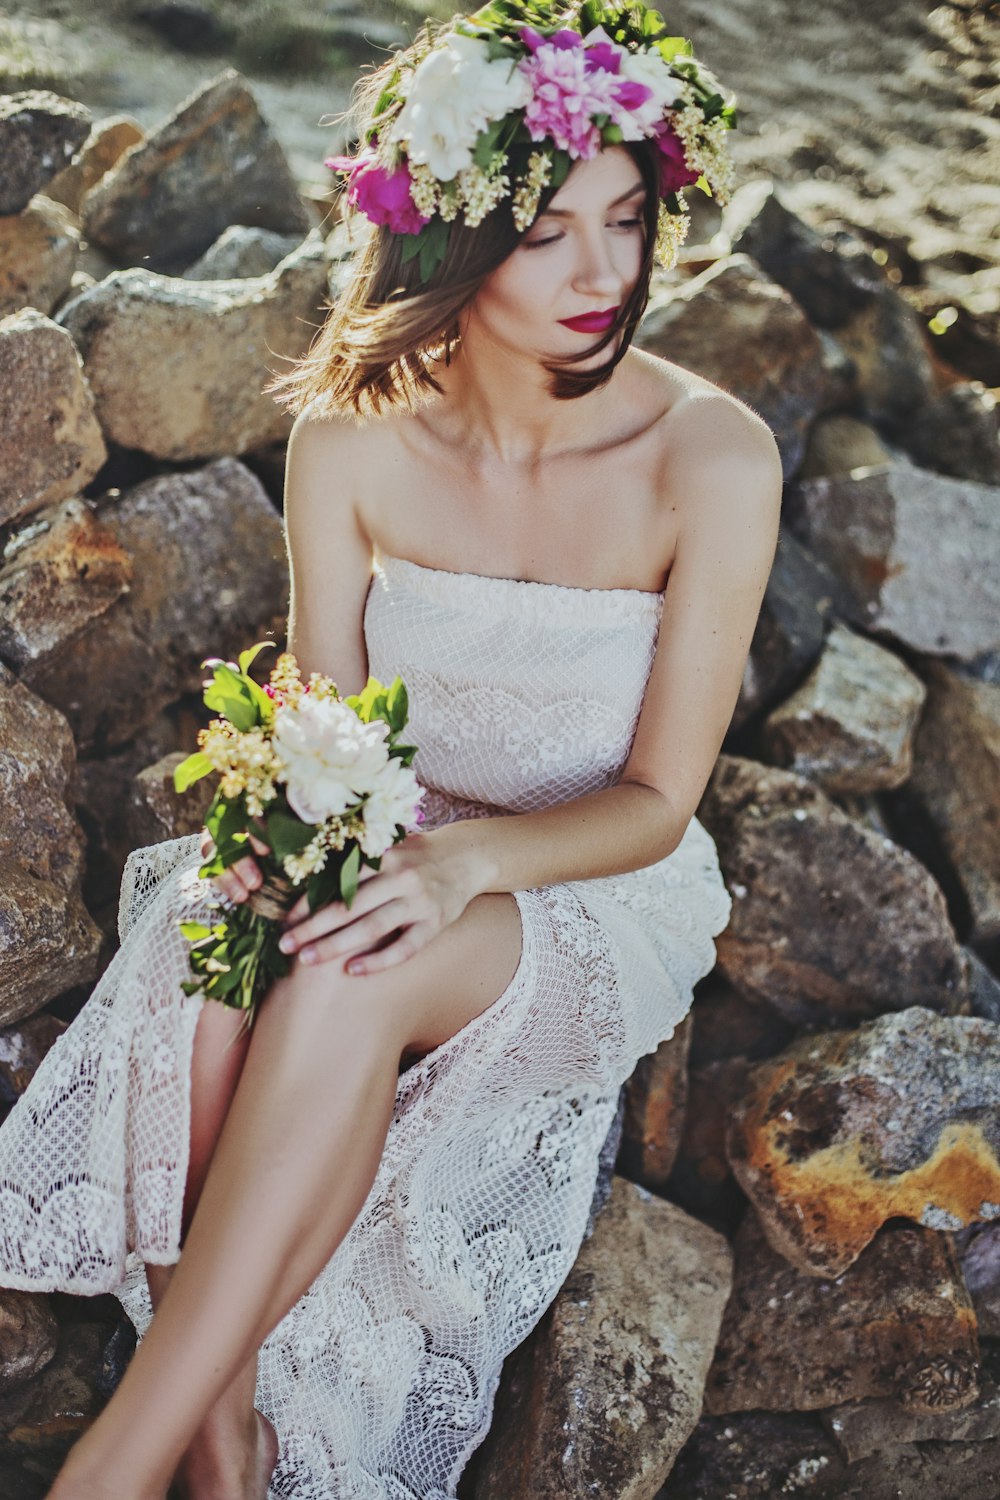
(234, 1444)
(294, 1163)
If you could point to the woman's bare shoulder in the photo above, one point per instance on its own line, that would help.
(693, 401)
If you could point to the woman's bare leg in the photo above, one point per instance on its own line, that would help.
(294, 1163)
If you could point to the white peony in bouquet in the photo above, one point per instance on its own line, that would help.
(321, 780)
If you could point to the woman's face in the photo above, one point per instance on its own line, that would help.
(581, 257)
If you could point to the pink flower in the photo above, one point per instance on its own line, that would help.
(674, 170)
(571, 82)
(382, 196)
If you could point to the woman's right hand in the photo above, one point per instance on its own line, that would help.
(240, 878)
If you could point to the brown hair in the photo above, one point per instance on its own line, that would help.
(379, 340)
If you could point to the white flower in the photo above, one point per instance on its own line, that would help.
(649, 68)
(452, 96)
(394, 800)
(330, 757)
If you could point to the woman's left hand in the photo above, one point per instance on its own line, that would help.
(421, 888)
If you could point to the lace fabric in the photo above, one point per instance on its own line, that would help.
(381, 1380)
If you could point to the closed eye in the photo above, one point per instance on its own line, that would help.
(626, 224)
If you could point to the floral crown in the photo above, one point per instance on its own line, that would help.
(500, 102)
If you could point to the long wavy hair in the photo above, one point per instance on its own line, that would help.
(381, 337)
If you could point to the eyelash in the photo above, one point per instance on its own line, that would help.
(537, 244)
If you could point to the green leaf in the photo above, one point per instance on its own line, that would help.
(670, 47)
(397, 705)
(561, 163)
(349, 875)
(287, 835)
(195, 931)
(247, 658)
(193, 769)
(229, 695)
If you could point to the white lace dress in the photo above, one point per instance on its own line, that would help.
(381, 1380)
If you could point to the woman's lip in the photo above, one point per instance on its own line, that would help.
(591, 322)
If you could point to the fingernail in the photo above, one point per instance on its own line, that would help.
(287, 944)
(308, 955)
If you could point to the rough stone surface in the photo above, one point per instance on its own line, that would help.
(42, 1419)
(59, 573)
(605, 1391)
(47, 939)
(841, 288)
(22, 1048)
(38, 254)
(702, 1180)
(39, 132)
(736, 327)
(656, 1100)
(28, 1336)
(863, 1428)
(213, 163)
(979, 1253)
(956, 782)
(758, 1455)
(50, 441)
(209, 579)
(239, 252)
(915, 550)
(897, 1323)
(849, 727)
(839, 443)
(178, 367)
(843, 1131)
(958, 432)
(800, 598)
(830, 920)
(107, 142)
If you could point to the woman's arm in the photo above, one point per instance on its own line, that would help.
(727, 484)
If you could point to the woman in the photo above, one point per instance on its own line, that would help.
(381, 1190)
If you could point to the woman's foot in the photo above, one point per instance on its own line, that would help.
(217, 1470)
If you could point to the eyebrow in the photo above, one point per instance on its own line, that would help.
(566, 213)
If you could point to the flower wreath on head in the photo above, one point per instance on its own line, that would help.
(499, 103)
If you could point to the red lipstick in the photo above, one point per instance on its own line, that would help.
(596, 322)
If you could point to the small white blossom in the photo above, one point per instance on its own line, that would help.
(331, 758)
(394, 800)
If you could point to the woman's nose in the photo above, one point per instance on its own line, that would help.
(597, 273)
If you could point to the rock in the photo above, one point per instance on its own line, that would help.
(757, 1455)
(22, 1048)
(843, 1131)
(956, 785)
(728, 1024)
(946, 1471)
(50, 442)
(242, 252)
(187, 26)
(863, 1428)
(842, 289)
(28, 1336)
(912, 549)
(38, 251)
(957, 432)
(984, 988)
(656, 1099)
(606, 1166)
(177, 367)
(736, 327)
(978, 1249)
(47, 940)
(831, 922)
(850, 726)
(60, 572)
(42, 1419)
(104, 147)
(898, 1322)
(104, 793)
(39, 133)
(209, 579)
(701, 1180)
(213, 163)
(839, 443)
(799, 600)
(158, 812)
(605, 1391)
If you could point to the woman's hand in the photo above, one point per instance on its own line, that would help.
(240, 878)
(421, 888)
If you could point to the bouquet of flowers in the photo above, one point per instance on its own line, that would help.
(322, 781)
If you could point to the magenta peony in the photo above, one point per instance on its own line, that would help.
(674, 170)
(383, 197)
